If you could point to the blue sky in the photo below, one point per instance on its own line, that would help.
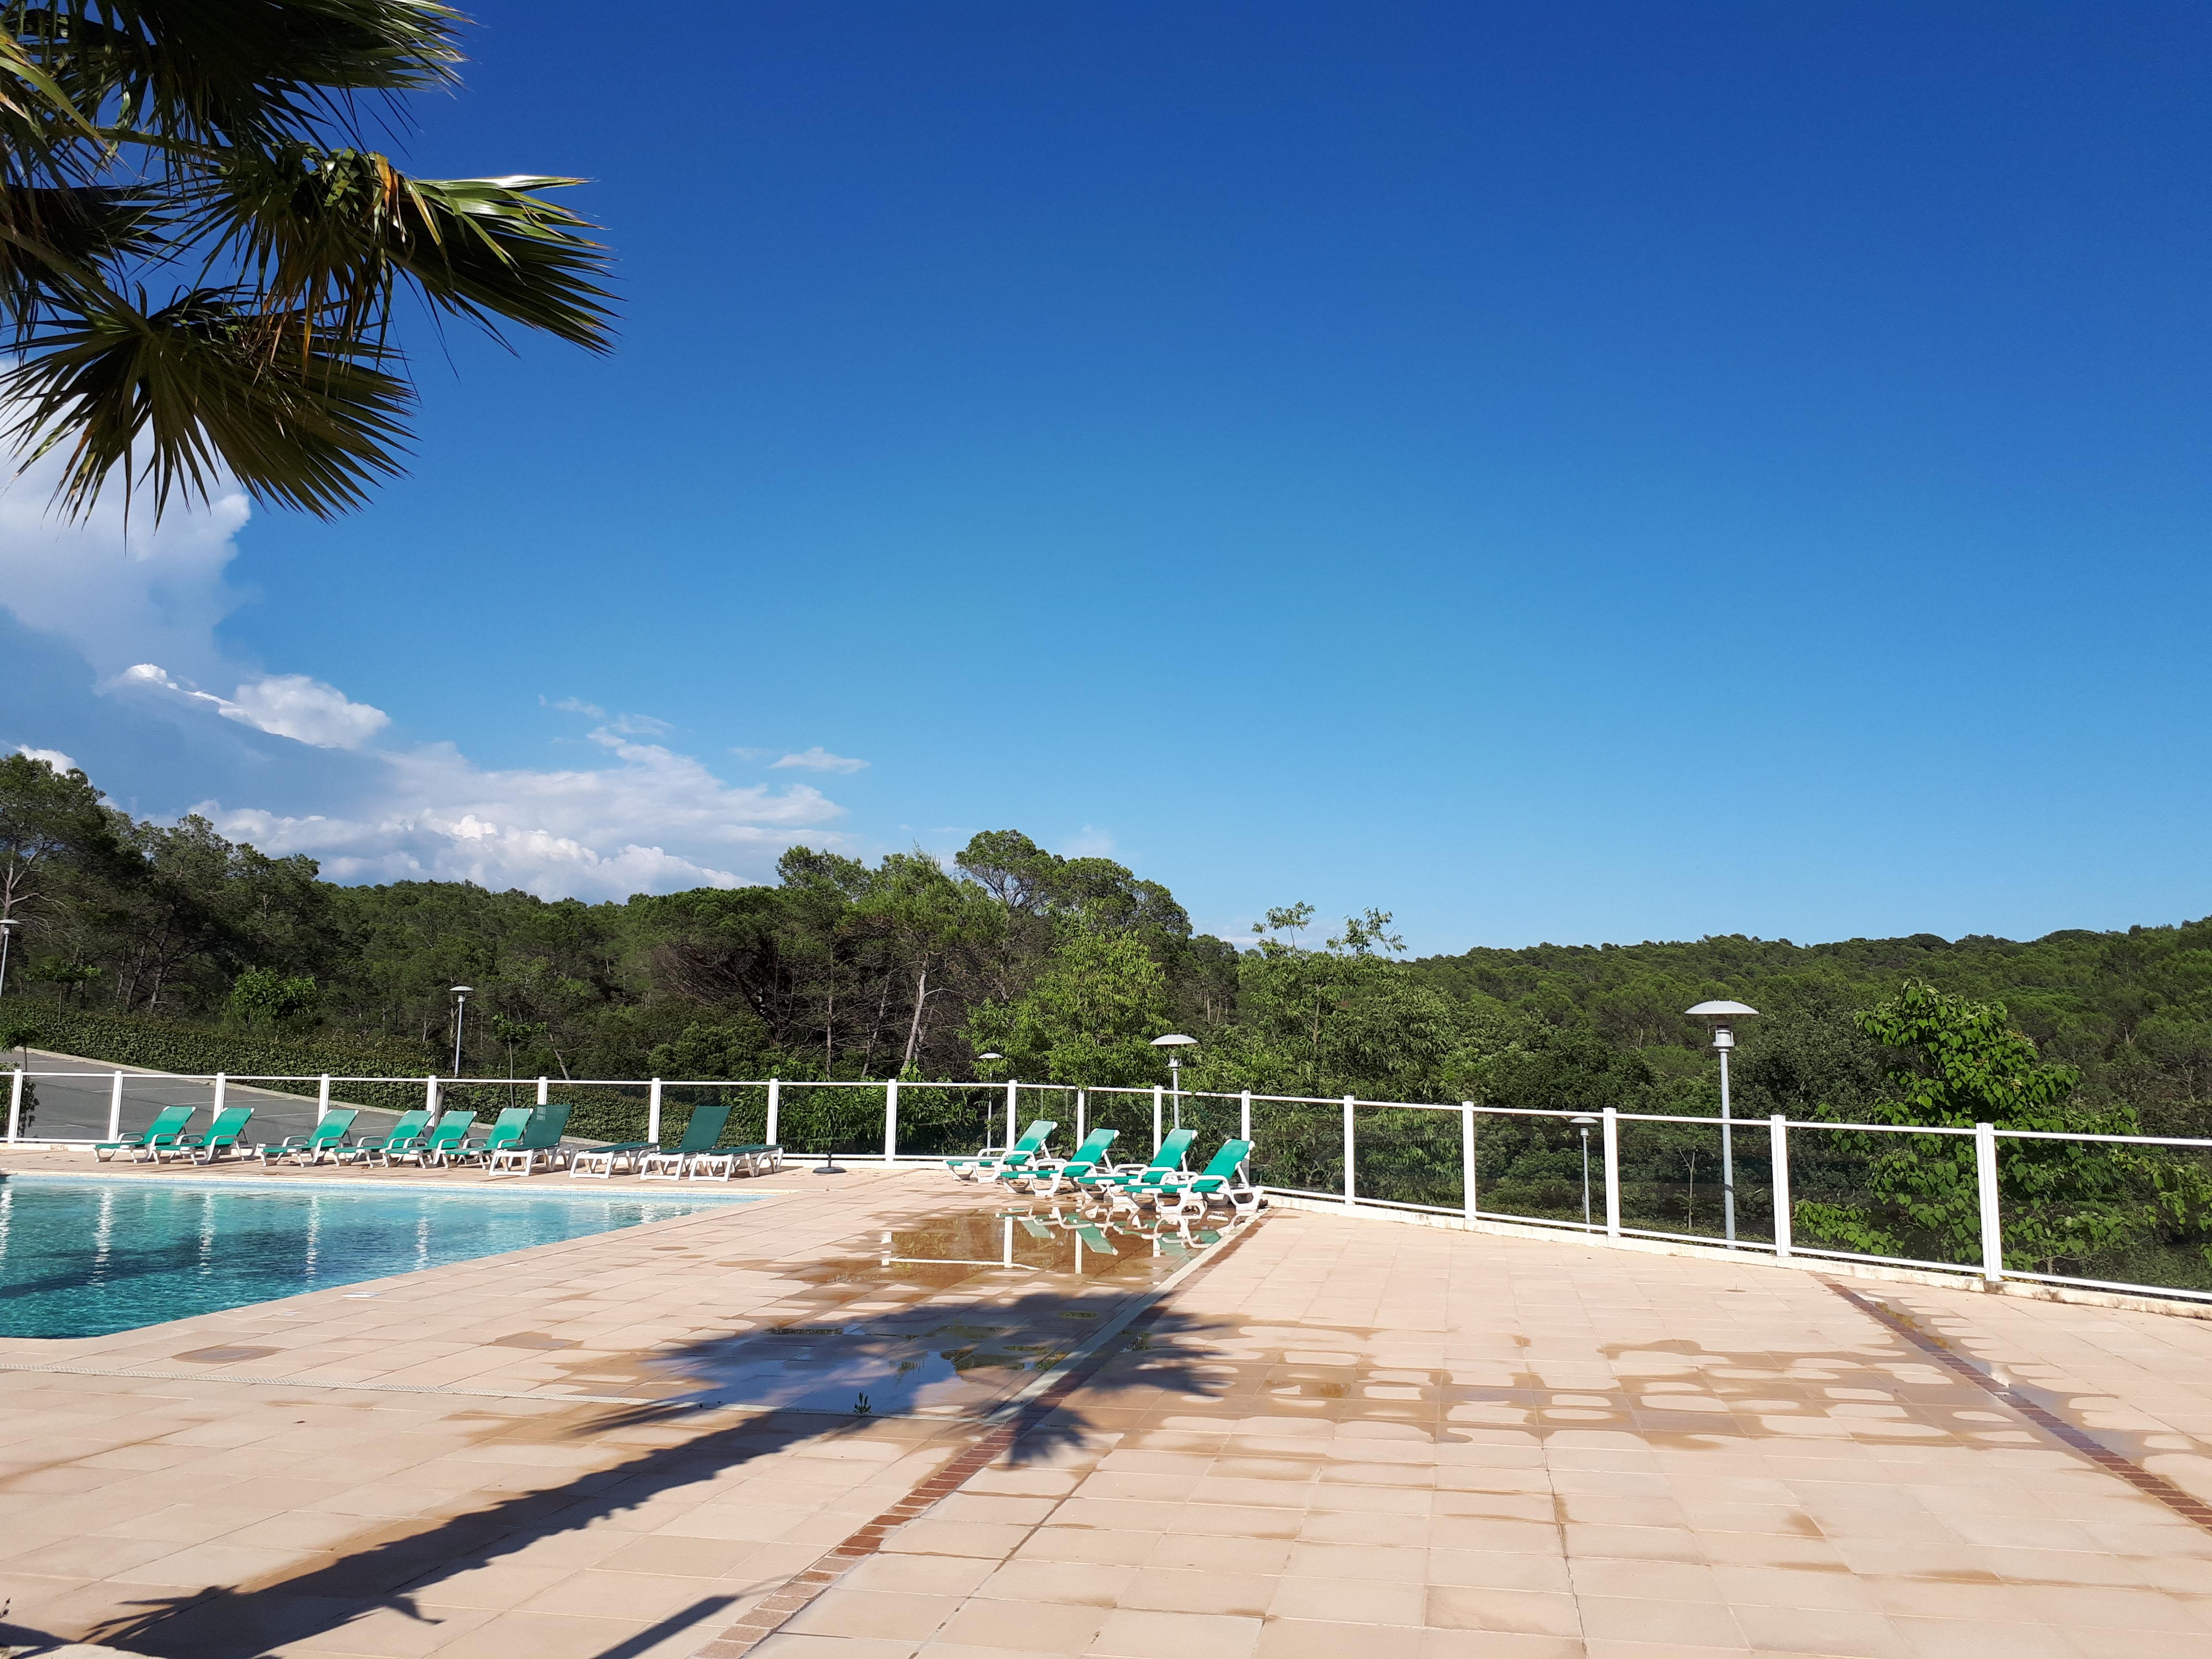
(1586, 472)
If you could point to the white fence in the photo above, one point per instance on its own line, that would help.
(1327, 1129)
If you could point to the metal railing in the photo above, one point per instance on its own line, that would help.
(1552, 1169)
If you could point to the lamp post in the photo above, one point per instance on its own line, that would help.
(7, 933)
(1585, 1123)
(460, 1017)
(1722, 1016)
(1175, 1042)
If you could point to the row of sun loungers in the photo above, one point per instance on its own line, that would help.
(1164, 1185)
(521, 1140)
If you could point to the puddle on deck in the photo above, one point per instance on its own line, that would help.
(872, 1334)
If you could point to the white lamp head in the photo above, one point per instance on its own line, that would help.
(1175, 1040)
(1722, 1017)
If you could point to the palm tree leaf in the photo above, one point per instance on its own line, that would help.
(229, 71)
(207, 387)
(323, 228)
(53, 238)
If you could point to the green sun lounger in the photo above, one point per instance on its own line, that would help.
(326, 1138)
(448, 1140)
(700, 1135)
(992, 1157)
(1132, 1183)
(168, 1123)
(508, 1127)
(222, 1136)
(721, 1162)
(402, 1137)
(1225, 1180)
(541, 1139)
(1053, 1171)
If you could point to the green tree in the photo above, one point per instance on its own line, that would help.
(265, 997)
(201, 263)
(1090, 1018)
(1960, 1063)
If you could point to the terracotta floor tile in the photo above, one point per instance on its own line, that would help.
(1046, 1628)
(1081, 1582)
(1706, 1623)
(1129, 1634)
(1534, 1613)
(1349, 1601)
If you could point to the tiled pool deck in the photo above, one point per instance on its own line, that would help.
(1337, 1437)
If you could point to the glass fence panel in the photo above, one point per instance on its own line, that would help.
(1037, 1103)
(598, 1111)
(1130, 1112)
(824, 1119)
(1907, 1194)
(2128, 1215)
(1675, 1179)
(746, 1125)
(1299, 1146)
(1216, 1120)
(1404, 1156)
(950, 1120)
(1531, 1167)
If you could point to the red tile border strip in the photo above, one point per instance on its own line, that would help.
(2182, 1504)
(769, 1615)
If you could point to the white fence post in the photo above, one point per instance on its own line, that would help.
(322, 1095)
(1349, 1165)
(891, 1121)
(1778, 1130)
(1156, 1135)
(1985, 1172)
(115, 1109)
(1466, 1156)
(775, 1103)
(1013, 1107)
(653, 1113)
(1612, 1173)
(221, 1085)
(1082, 1111)
(1244, 1117)
(430, 1095)
(544, 1091)
(15, 1102)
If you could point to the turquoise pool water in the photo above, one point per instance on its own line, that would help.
(88, 1257)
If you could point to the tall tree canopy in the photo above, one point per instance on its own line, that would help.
(202, 261)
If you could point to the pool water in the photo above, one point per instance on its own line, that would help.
(87, 1257)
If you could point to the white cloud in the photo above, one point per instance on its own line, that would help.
(53, 757)
(596, 833)
(1091, 843)
(291, 764)
(119, 594)
(634, 726)
(283, 705)
(818, 759)
(293, 706)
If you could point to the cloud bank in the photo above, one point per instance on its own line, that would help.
(111, 627)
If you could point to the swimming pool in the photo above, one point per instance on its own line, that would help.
(87, 1257)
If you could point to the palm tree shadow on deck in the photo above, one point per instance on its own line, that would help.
(219, 1622)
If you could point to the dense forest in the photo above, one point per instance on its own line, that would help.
(1066, 966)
(132, 935)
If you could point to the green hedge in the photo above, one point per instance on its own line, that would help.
(167, 1045)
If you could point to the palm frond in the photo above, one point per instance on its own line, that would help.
(54, 238)
(237, 71)
(177, 397)
(336, 229)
